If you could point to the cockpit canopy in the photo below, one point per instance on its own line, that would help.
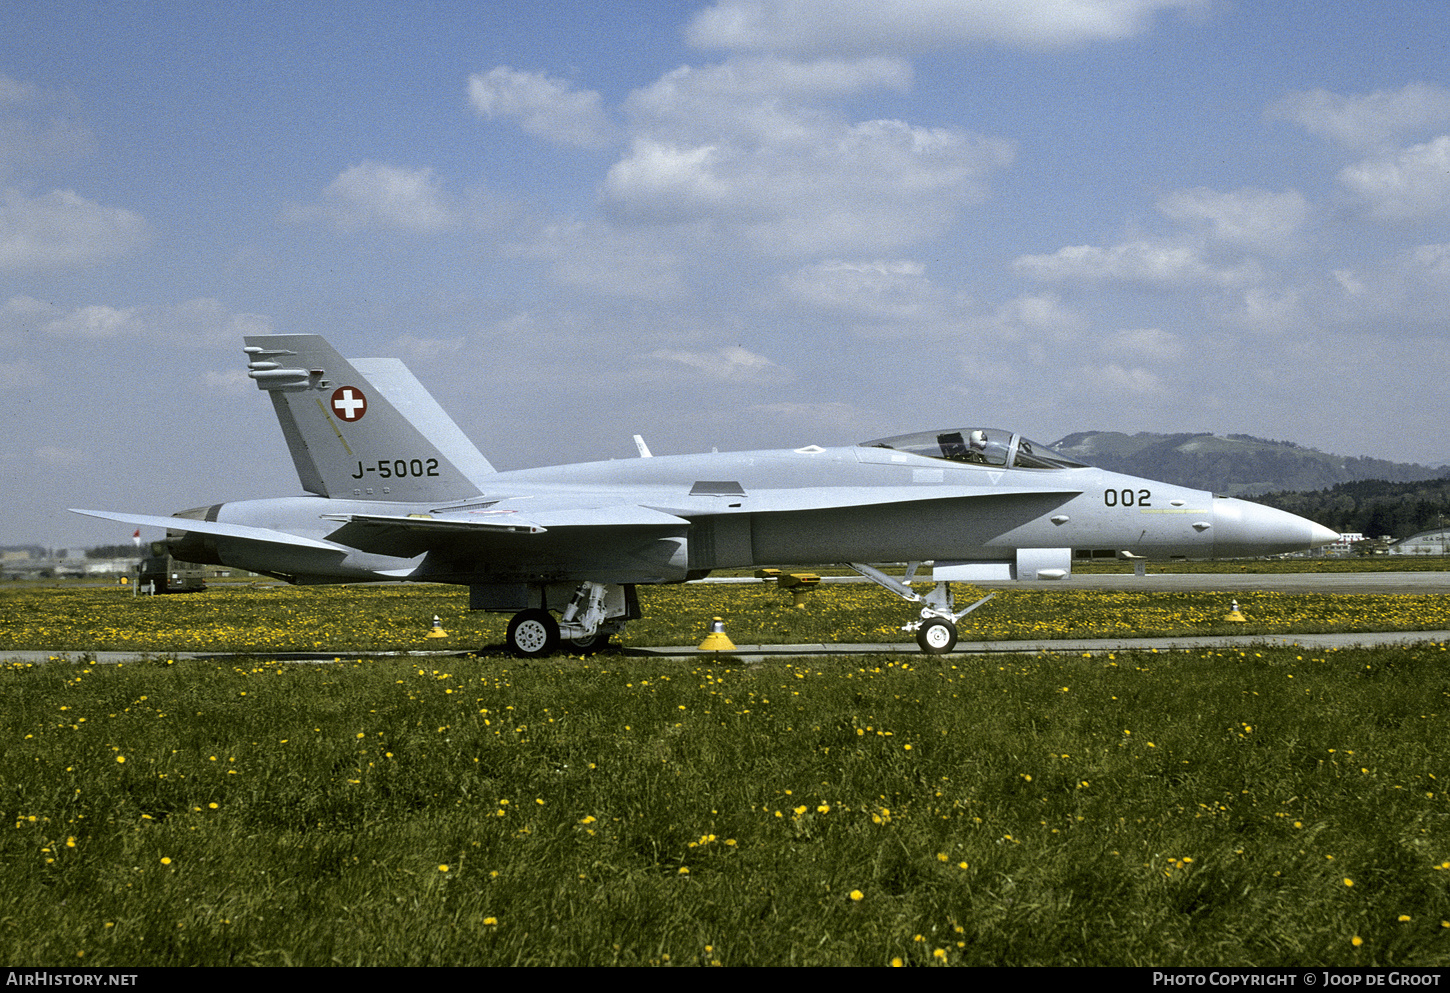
(979, 446)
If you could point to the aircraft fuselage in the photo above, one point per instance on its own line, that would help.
(779, 508)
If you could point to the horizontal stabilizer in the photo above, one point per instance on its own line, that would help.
(210, 527)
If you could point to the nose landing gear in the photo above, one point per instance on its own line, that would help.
(936, 631)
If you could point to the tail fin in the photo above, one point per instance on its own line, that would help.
(366, 430)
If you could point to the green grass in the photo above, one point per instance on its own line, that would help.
(1227, 807)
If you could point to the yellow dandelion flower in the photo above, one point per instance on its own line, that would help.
(1356, 941)
(1348, 881)
(490, 921)
(896, 962)
(166, 860)
(443, 868)
(857, 896)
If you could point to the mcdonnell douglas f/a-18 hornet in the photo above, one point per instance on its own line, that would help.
(397, 492)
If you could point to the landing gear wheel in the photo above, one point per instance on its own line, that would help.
(595, 642)
(937, 636)
(533, 634)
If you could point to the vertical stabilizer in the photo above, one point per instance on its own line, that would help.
(347, 434)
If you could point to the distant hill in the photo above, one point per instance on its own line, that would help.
(1236, 465)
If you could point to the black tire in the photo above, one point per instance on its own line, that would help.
(596, 642)
(533, 634)
(937, 636)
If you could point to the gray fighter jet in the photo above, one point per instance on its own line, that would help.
(397, 492)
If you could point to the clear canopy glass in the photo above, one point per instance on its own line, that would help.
(979, 446)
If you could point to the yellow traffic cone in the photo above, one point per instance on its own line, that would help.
(717, 640)
(437, 630)
(1233, 616)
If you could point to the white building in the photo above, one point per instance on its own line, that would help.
(1436, 542)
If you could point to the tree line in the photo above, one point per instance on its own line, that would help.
(1372, 507)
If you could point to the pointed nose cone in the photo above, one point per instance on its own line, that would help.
(1241, 528)
(1319, 536)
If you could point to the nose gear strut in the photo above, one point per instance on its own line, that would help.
(936, 631)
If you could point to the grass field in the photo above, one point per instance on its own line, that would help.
(1222, 807)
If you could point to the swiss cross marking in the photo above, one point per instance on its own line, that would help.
(348, 403)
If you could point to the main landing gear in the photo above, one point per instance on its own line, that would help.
(597, 611)
(936, 631)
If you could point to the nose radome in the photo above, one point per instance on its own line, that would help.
(1244, 528)
(1319, 535)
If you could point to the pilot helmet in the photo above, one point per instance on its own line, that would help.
(979, 438)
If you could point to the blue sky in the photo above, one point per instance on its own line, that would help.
(734, 224)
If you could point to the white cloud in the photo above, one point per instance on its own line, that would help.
(1250, 218)
(413, 346)
(378, 195)
(24, 143)
(731, 364)
(751, 148)
(920, 25)
(894, 290)
(202, 321)
(375, 194)
(761, 95)
(544, 107)
(97, 321)
(1038, 313)
(1151, 343)
(62, 230)
(20, 375)
(1431, 263)
(1405, 185)
(1113, 378)
(1159, 264)
(1368, 121)
(15, 92)
(1274, 312)
(55, 456)
(229, 382)
(206, 321)
(610, 260)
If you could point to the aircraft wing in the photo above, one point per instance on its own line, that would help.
(211, 527)
(408, 535)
